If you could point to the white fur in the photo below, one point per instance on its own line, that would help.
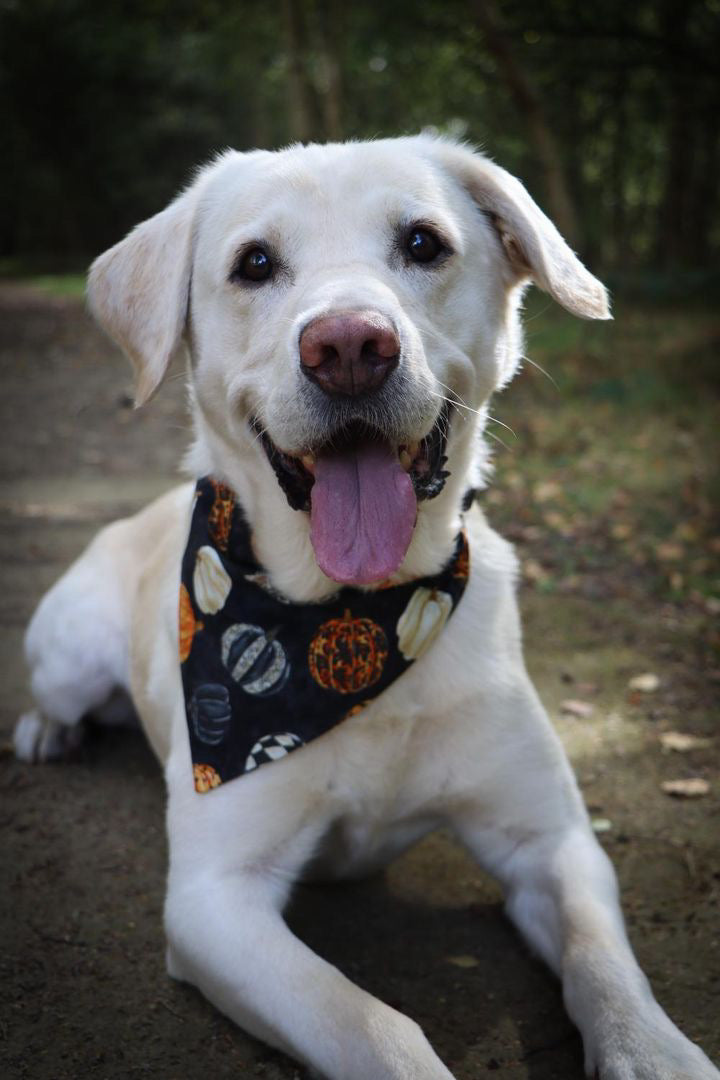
(461, 738)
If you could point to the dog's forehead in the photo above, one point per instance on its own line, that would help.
(353, 183)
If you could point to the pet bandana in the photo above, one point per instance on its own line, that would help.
(261, 675)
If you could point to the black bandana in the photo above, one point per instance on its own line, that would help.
(261, 675)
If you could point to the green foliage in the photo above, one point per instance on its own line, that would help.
(60, 284)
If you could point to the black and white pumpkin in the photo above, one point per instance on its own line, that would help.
(255, 659)
(210, 712)
(272, 748)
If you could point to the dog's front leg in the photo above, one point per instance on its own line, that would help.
(527, 825)
(233, 859)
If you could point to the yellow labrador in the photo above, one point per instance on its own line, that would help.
(347, 311)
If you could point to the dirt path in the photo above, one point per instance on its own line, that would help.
(83, 990)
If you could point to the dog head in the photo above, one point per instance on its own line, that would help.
(348, 311)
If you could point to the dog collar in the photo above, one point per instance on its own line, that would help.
(262, 676)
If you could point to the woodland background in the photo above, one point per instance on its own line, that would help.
(605, 449)
(608, 112)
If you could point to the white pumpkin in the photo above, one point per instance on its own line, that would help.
(211, 581)
(422, 620)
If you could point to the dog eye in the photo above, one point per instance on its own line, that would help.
(423, 245)
(254, 264)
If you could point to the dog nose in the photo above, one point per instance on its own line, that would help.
(351, 352)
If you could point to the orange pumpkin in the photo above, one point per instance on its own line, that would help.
(220, 516)
(347, 655)
(188, 624)
(356, 709)
(461, 569)
(205, 778)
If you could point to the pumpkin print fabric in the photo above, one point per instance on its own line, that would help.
(261, 676)
(348, 654)
(188, 624)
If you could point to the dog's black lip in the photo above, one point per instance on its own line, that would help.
(297, 481)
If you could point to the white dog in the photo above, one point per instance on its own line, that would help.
(348, 310)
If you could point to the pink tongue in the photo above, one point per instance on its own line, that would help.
(362, 515)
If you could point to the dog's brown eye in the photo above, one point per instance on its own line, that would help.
(423, 246)
(254, 265)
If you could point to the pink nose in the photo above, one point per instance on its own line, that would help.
(352, 352)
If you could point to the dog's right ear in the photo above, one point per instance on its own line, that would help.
(138, 291)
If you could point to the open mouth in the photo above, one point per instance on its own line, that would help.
(361, 492)
(423, 461)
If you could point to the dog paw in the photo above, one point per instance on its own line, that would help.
(37, 739)
(669, 1056)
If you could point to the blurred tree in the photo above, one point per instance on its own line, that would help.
(300, 90)
(330, 42)
(608, 113)
(531, 108)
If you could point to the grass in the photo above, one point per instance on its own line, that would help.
(59, 284)
(51, 274)
(611, 483)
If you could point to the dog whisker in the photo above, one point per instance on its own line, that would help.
(444, 423)
(502, 424)
(541, 369)
(499, 440)
(459, 400)
(537, 314)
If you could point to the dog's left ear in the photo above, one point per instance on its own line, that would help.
(138, 291)
(533, 245)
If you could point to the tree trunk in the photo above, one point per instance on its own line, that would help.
(299, 89)
(330, 41)
(617, 244)
(704, 192)
(527, 100)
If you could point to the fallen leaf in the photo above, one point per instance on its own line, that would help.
(678, 740)
(463, 961)
(547, 490)
(533, 571)
(601, 824)
(669, 552)
(685, 530)
(531, 533)
(558, 523)
(582, 709)
(621, 530)
(647, 683)
(694, 788)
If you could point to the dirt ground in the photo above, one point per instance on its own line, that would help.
(83, 990)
